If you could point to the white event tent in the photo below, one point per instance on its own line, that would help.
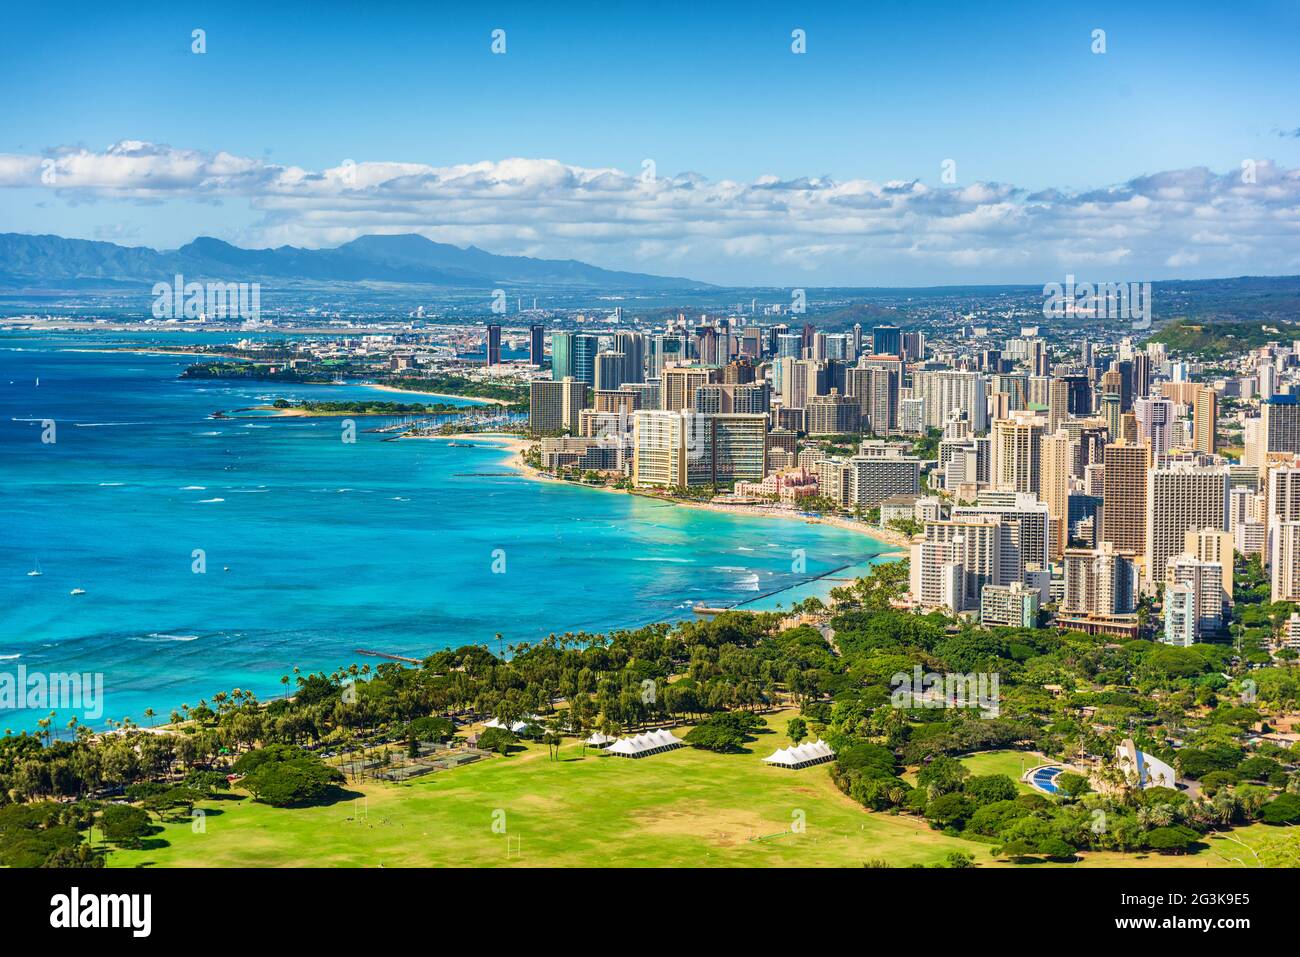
(802, 755)
(641, 745)
(599, 740)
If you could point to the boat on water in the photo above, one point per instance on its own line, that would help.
(36, 572)
(77, 591)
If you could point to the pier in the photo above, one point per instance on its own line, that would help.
(384, 654)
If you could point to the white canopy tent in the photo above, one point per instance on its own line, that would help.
(802, 755)
(641, 745)
(516, 727)
(599, 740)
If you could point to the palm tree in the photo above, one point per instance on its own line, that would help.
(149, 713)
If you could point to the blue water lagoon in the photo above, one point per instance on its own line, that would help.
(214, 553)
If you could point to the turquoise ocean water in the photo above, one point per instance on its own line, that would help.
(314, 547)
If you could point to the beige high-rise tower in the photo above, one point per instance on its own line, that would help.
(1054, 484)
(1124, 510)
(1205, 416)
(1016, 449)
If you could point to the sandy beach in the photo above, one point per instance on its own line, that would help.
(516, 446)
(441, 395)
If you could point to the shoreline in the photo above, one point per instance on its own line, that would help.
(477, 400)
(515, 447)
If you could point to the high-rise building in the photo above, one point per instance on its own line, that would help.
(493, 344)
(1180, 498)
(832, 414)
(954, 561)
(632, 346)
(680, 449)
(537, 344)
(1099, 581)
(556, 406)
(887, 340)
(610, 370)
(1124, 513)
(1196, 610)
(1284, 560)
(946, 389)
(1205, 417)
(573, 355)
(678, 384)
(1029, 529)
(1017, 447)
(1213, 545)
(1155, 422)
(1057, 454)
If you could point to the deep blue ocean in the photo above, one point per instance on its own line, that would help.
(314, 547)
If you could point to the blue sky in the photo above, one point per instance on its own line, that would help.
(1011, 92)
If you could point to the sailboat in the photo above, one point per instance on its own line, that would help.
(77, 591)
(36, 572)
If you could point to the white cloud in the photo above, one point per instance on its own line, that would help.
(770, 231)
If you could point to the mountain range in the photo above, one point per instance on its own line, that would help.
(52, 262)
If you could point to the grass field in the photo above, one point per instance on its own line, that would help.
(680, 808)
(684, 808)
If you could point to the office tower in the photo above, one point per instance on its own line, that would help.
(1155, 423)
(537, 344)
(555, 406)
(1205, 417)
(1141, 376)
(1016, 388)
(1125, 493)
(1099, 581)
(493, 344)
(857, 339)
(1213, 545)
(1017, 448)
(944, 390)
(913, 346)
(751, 342)
(887, 340)
(678, 385)
(832, 414)
(573, 354)
(610, 369)
(1180, 498)
(1039, 358)
(1080, 395)
(633, 347)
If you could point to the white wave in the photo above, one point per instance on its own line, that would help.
(99, 425)
(207, 501)
(748, 582)
(9, 657)
(674, 561)
(194, 488)
(109, 484)
(161, 636)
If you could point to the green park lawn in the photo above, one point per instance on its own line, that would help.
(680, 808)
(684, 808)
